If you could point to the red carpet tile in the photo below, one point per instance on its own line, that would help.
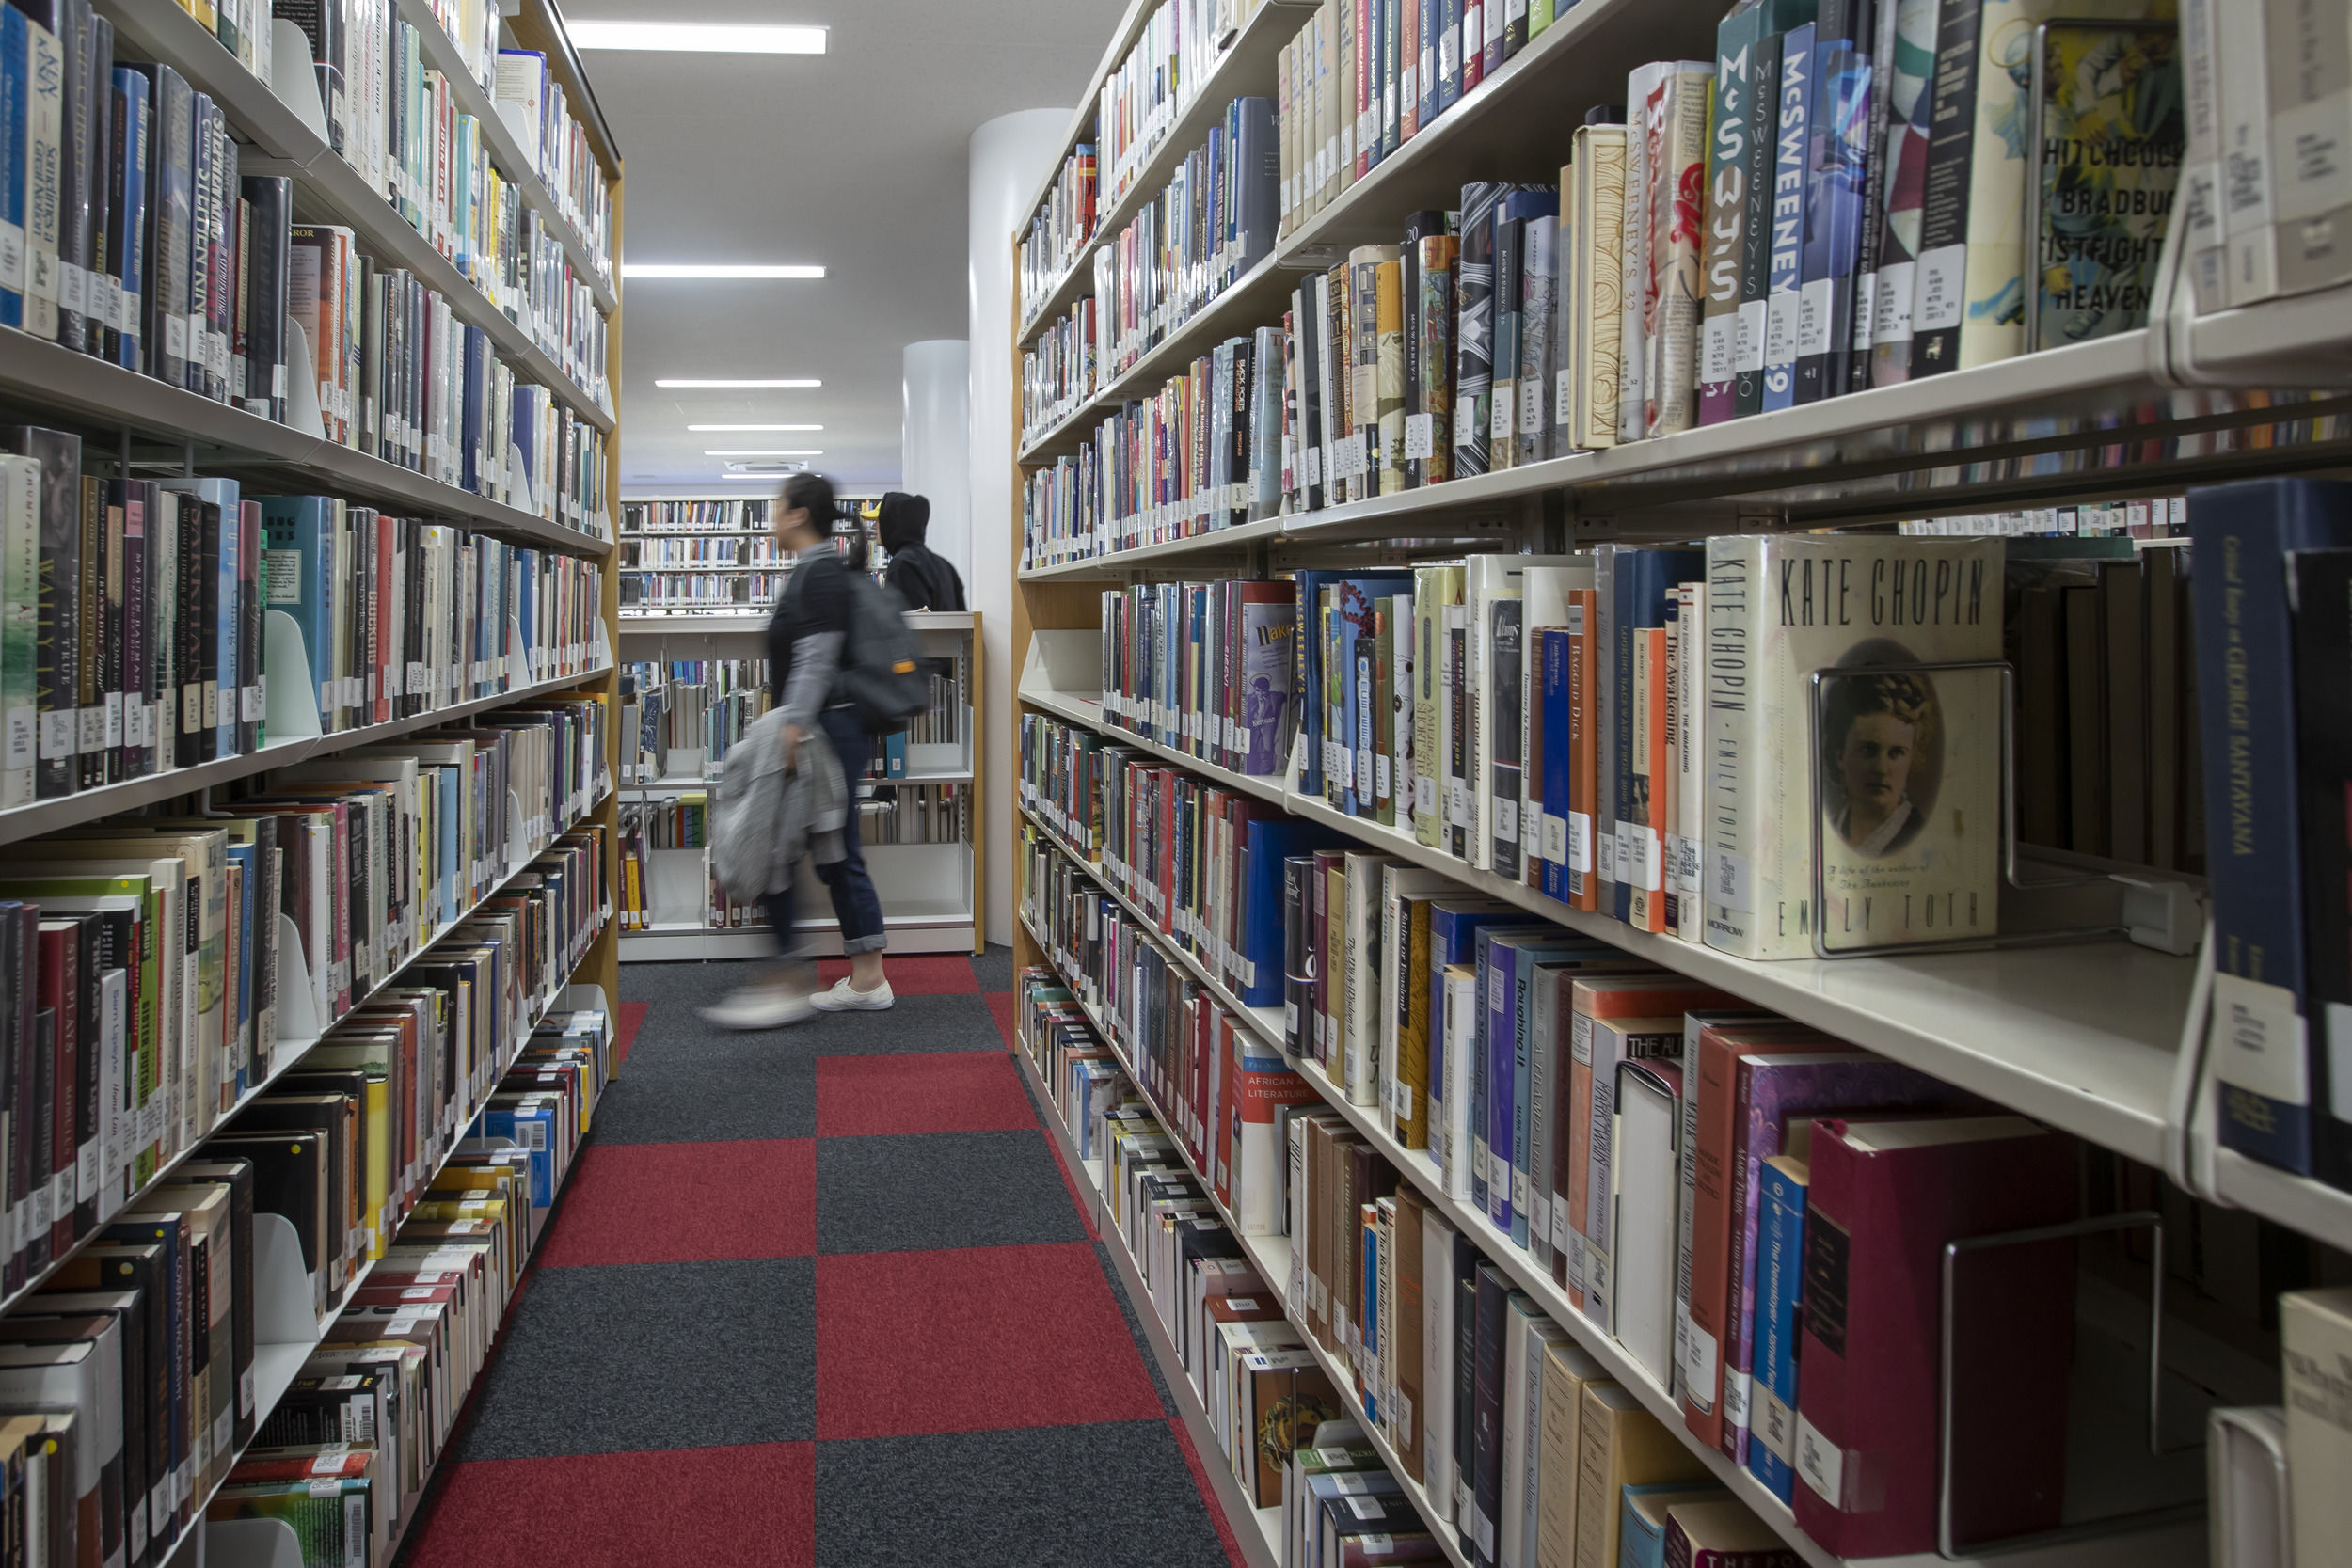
(681, 1203)
(945, 1091)
(625, 1029)
(1000, 1004)
(1208, 1493)
(917, 975)
(746, 1507)
(972, 1339)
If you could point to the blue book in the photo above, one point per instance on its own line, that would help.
(247, 858)
(1426, 63)
(1508, 970)
(1311, 681)
(473, 401)
(1780, 1187)
(1836, 140)
(1266, 843)
(1791, 155)
(1551, 662)
(529, 1126)
(1448, 56)
(1641, 1519)
(1642, 581)
(1454, 927)
(300, 530)
(2268, 1053)
(126, 214)
(16, 90)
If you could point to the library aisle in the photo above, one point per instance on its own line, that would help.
(822, 1296)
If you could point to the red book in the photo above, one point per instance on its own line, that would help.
(1716, 1114)
(1886, 1197)
(59, 989)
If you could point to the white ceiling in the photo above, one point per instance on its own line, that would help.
(854, 160)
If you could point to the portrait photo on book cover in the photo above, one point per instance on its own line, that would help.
(1882, 739)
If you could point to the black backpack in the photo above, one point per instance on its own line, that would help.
(881, 677)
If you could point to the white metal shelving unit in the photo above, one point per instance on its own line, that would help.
(930, 892)
(2100, 1038)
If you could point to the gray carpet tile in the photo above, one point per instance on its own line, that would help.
(673, 1028)
(722, 1087)
(1111, 1496)
(922, 1190)
(994, 969)
(620, 1358)
(1129, 1306)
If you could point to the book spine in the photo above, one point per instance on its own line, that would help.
(44, 130)
(1855, 376)
(2203, 252)
(1780, 1280)
(1739, 735)
(1939, 280)
(2262, 1037)
(1783, 310)
(1903, 155)
(1737, 37)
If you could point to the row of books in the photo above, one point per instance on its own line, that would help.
(755, 589)
(2152, 518)
(916, 813)
(1535, 717)
(144, 246)
(534, 104)
(692, 516)
(1587, 1160)
(1485, 1401)
(245, 931)
(132, 617)
(1210, 224)
(1060, 229)
(1058, 370)
(130, 1377)
(720, 550)
(1139, 100)
(1276, 1415)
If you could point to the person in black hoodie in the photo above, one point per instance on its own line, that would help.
(922, 580)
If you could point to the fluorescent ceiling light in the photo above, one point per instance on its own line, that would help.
(686, 382)
(766, 452)
(663, 269)
(707, 427)
(721, 38)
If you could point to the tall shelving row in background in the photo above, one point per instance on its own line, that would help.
(1181, 427)
(312, 622)
(693, 641)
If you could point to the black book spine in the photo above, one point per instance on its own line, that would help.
(1879, 30)
(1756, 232)
(1939, 295)
(201, 198)
(78, 39)
(16, 1022)
(1464, 1391)
(265, 270)
(221, 302)
(120, 157)
(207, 640)
(57, 636)
(188, 627)
(137, 656)
(1487, 1411)
(250, 610)
(41, 1121)
(90, 738)
(114, 646)
(2320, 593)
(1474, 304)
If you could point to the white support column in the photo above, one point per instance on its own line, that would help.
(1008, 156)
(935, 441)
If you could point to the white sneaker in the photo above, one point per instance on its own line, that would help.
(846, 998)
(759, 1008)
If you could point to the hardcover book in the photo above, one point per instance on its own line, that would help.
(1909, 759)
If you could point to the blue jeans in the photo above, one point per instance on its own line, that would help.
(855, 904)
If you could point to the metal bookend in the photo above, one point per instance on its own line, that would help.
(1948, 1378)
(2152, 911)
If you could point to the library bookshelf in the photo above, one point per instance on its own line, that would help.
(929, 886)
(135, 427)
(2103, 1039)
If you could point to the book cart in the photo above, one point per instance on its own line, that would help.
(2102, 1039)
(927, 889)
(137, 427)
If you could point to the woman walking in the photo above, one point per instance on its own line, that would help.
(805, 649)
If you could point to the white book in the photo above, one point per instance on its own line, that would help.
(1643, 1247)
(1519, 1316)
(2315, 1334)
(2311, 142)
(2203, 255)
(1440, 1299)
(1452, 1130)
(2248, 211)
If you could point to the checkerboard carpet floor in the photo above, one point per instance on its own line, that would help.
(823, 1298)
